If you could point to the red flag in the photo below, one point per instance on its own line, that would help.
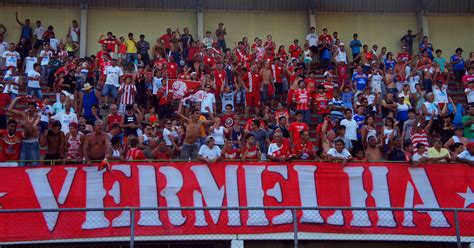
(179, 88)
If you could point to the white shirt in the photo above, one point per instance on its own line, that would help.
(13, 87)
(65, 120)
(207, 101)
(341, 56)
(3, 47)
(218, 135)
(11, 58)
(470, 95)
(166, 136)
(312, 39)
(29, 62)
(46, 57)
(345, 154)
(53, 43)
(376, 82)
(44, 113)
(113, 73)
(39, 31)
(351, 129)
(466, 155)
(74, 34)
(157, 82)
(31, 82)
(412, 81)
(416, 157)
(440, 94)
(208, 153)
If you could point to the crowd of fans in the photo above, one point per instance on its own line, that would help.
(256, 101)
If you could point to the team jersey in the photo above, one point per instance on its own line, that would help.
(128, 93)
(252, 152)
(295, 129)
(252, 81)
(302, 99)
(283, 151)
(322, 102)
(306, 150)
(10, 145)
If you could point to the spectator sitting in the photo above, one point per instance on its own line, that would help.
(437, 153)
(458, 149)
(278, 151)
(209, 152)
(134, 153)
(339, 152)
(467, 156)
(420, 155)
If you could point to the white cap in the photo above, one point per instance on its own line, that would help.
(341, 44)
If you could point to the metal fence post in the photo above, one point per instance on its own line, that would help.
(458, 230)
(132, 228)
(295, 229)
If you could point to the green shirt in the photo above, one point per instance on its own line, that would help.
(441, 62)
(468, 130)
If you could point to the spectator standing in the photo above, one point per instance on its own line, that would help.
(408, 38)
(220, 34)
(143, 46)
(458, 65)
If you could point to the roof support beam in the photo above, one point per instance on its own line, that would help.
(83, 28)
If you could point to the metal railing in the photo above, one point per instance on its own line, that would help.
(447, 225)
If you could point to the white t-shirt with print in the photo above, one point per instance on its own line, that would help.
(113, 74)
(31, 82)
(344, 154)
(11, 58)
(46, 55)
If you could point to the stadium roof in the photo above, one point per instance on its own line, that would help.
(357, 6)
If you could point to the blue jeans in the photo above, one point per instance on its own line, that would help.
(44, 72)
(221, 44)
(306, 116)
(131, 57)
(34, 91)
(29, 151)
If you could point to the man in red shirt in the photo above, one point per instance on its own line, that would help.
(252, 84)
(101, 55)
(302, 100)
(10, 142)
(404, 55)
(229, 118)
(113, 117)
(325, 36)
(5, 101)
(172, 68)
(278, 151)
(296, 127)
(321, 101)
(219, 76)
(468, 77)
(134, 153)
(164, 100)
(295, 50)
(110, 43)
(277, 75)
(304, 150)
(165, 39)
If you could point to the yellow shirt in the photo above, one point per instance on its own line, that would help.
(131, 47)
(433, 153)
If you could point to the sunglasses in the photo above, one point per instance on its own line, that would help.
(168, 123)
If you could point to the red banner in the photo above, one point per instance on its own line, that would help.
(234, 184)
(180, 88)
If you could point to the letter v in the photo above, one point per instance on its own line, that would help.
(45, 195)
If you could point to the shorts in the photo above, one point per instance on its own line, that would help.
(38, 43)
(110, 90)
(252, 99)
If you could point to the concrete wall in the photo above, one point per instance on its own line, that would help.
(383, 30)
(449, 32)
(60, 19)
(284, 27)
(446, 32)
(150, 23)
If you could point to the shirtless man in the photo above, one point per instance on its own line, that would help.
(267, 79)
(428, 72)
(95, 143)
(191, 144)
(30, 145)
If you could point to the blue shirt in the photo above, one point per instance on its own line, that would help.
(325, 53)
(347, 99)
(361, 81)
(88, 100)
(457, 120)
(355, 46)
(360, 121)
(459, 63)
(26, 32)
(389, 64)
(337, 113)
